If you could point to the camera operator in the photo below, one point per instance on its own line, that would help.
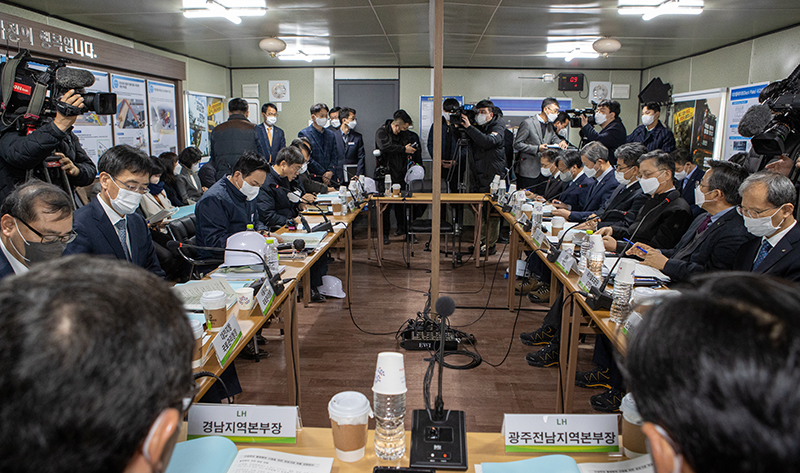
(612, 132)
(20, 153)
(487, 141)
(450, 137)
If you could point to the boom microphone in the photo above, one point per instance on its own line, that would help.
(70, 78)
(298, 245)
(445, 306)
(755, 120)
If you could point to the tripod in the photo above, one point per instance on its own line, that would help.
(461, 168)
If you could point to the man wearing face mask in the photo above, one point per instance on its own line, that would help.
(397, 154)
(107, 348)
(664, 217)
(35, 226)
(688, 175)
(534, 135)
(109, 224)
(324, 156)
(350, 143)
(304, 179)
(577, 185)
(549, 170)
(768, 211)
(651, 133)
(612, 132)
(229, 140)
(229, 206)
(270, 137)
(595, 166)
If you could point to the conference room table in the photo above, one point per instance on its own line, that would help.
(282, 313)
(475, 201)
(573, 321)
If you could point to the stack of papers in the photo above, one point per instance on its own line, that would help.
(565, 464)
(312, 239)
(641, 271)
(190, 293)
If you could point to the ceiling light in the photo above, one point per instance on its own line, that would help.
(570, 50)
(650, 9)
(606, 46)
(302, 56)
(272, 45)
(232, 10)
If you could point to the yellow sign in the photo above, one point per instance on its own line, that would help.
(684, 115)
(214, 107)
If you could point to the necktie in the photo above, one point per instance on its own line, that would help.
(762, 253)
(269, 134)
(704, 225)
(122, 232)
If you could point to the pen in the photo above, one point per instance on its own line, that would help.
(636, 246)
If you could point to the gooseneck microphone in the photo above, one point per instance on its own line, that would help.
(298, 245)
(325, 226)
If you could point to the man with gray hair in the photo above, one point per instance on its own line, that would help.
(596, 165)
(768, 212)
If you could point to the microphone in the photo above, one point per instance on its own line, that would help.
(555, 251)
(272, 279)
(298, 245)
(510, 197)
(325, 226)
(755, 120)
(70, 78)
(600, 299)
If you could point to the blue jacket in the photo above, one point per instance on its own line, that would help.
(324, 156)
(612, 136)
(350, 153)
(598, 194)
(274, 206)
(576, 192)
(96, 236)
(659, 138)
(278, 142)
(5, 267)
(222, 211)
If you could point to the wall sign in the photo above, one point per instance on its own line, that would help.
(163, 126)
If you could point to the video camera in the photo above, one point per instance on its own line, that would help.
(467, 110)
(780, 136)
(575, 120)
(31, 88)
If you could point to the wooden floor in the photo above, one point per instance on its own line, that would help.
(336, 356)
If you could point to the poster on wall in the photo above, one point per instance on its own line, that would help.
(163, 126)
(739, 100)
(198, 123)
(93, 130)
(695, 123)
(426, 114)
(130, 121)
(215, 111)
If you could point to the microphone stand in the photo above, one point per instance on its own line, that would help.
(325, 226)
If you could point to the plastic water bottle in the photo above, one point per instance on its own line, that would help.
(623, 287)
(597, 255)
(536, 216)
(586, 248)
(501, 191)
(343, 195)
(387, 185)
(272, 256)
(390, 432)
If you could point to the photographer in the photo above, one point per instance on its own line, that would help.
(534, 136)
(21, 153)
(487, 141)
(612, 132)
(452, 165)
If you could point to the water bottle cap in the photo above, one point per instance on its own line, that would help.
(250, 226)
(270, 241)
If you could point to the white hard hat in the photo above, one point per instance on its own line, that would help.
(248, 240)
(331, 287)
(415, 173)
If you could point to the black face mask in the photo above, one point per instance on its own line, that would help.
(37, 252)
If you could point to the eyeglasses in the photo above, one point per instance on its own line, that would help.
(122, 185)
(48, 239)
(649, 174)
(752, 213)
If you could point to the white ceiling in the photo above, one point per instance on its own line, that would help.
(478, 33)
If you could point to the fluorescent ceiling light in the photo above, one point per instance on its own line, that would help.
(570, 50)
(650, 9)
(301, 55)
(233, 10)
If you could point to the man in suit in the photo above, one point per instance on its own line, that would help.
(768, 210)
(349, 144)
(271, 139)
(612, 132)
(553, 185)
(534, 135)
(35, 226)
(687, 174)
(624, 204)
(578, 185)
(230, 139)
(596, 166)
(651, 133)
(324, 155)
(108, 225)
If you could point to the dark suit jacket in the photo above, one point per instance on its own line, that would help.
(713, 250)
(663, 227)
(783, 260)
(278, 141)
(687, 191)
(96, 236)
(612, 136)
(350, 153)
(5, 266)
(228, 141)
(274, 206)
(597, 196)
(625, 199)
(553, 188)
(576, 193)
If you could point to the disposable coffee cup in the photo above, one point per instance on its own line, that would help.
(527, 210)
(557, 224)
(336, 205)
(568, 248)
(245, 298)
(349, 412)
(214, 308)
(390, 374)
(395, 190)
(633, 439)
(197, 352)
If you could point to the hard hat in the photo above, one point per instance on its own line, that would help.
(331, 287)
(415, 173)
(247, 240)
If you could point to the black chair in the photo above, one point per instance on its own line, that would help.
(182, 230)
(425, 226)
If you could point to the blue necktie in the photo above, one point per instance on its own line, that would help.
(762, 253)
(122, 232)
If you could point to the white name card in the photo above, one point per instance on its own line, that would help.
(588, 281)
(538, 237)
(561, 433)
(565, 261)
(265, 296)
(226, 340)
(244, 423)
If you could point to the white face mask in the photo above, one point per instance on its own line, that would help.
(178, 169)
(195, 167)
(566, 176)
(251, 192)
(304, 168)
(126, 202)
(699, 197)
(680, 175)
(446, 115)
(482, 119)
(590, 172)
(271, 120)
(321, 121)
(620, 176)
(650, 185)
(677, 460)
(648, 120)
(546, 172)
(762, 226)
(600, 118)
(551, 117)
(352, 125)
(336, 123)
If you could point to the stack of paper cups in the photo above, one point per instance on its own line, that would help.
(625, 273)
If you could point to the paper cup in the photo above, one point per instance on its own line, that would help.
(197, 352)
(349, 412)
(527, 209)
(625, 273)
(569, 248)
(245, 298)
(214, 307)
(390, 374)
(395, 190)
(557, 224)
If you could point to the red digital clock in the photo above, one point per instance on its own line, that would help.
(570, 82)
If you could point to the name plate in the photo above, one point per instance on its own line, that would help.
(265, 296)
(589, 281)
(226, 340)
(630, 325)
(565, 262)
(561, 433)
(538, 237)
(244, 423)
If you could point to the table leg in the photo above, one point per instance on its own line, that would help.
(563, 352)
(380, 208)
(513, 252)
(306, 289)
(348, 263)
(370, 246)
(488, 216)
(477, 243)
(291, 347)
(572, 361)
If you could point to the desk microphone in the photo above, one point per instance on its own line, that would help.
(510, 197)
(298, 245)
(555, 251)
(325, 226)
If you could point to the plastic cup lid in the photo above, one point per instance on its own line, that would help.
(527, 208)
(349, 404)
(197, 327)
(212, 296)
